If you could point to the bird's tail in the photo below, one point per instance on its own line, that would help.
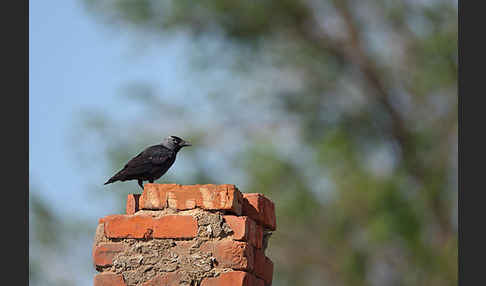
(111, 180)
(117, 177)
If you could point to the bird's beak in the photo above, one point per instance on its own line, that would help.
(186, 144)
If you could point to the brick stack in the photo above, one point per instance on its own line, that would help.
(186, 235)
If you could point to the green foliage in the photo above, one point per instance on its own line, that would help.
(348, 122)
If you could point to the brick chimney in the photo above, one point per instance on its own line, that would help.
(186, 235)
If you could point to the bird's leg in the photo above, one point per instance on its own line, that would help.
(140, 183)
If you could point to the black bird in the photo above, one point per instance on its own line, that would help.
(151, 163)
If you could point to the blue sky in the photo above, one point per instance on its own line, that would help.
(78, 64)
(73, 64)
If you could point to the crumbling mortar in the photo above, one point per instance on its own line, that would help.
(144, 259)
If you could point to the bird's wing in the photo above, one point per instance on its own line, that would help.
(144, 161)
(160, 156)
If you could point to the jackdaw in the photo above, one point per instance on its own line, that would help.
(151, 163)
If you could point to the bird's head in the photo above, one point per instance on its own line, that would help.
(175, 143)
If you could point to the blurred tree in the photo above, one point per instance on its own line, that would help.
(344, 112)
(51, 239)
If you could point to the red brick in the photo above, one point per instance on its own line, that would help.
(103, 253)
(245, 229)
(108, 279)
(145, 226)
(154, 196)
(240, 226)
(232, 254)
(258, 235)
(103, 219)
(184, 197)
(259, 282)
(233, 278)
(261, 209)
(165, 279)
(263, 267)
(132, 203)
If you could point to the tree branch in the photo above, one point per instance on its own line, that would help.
(356, 55)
